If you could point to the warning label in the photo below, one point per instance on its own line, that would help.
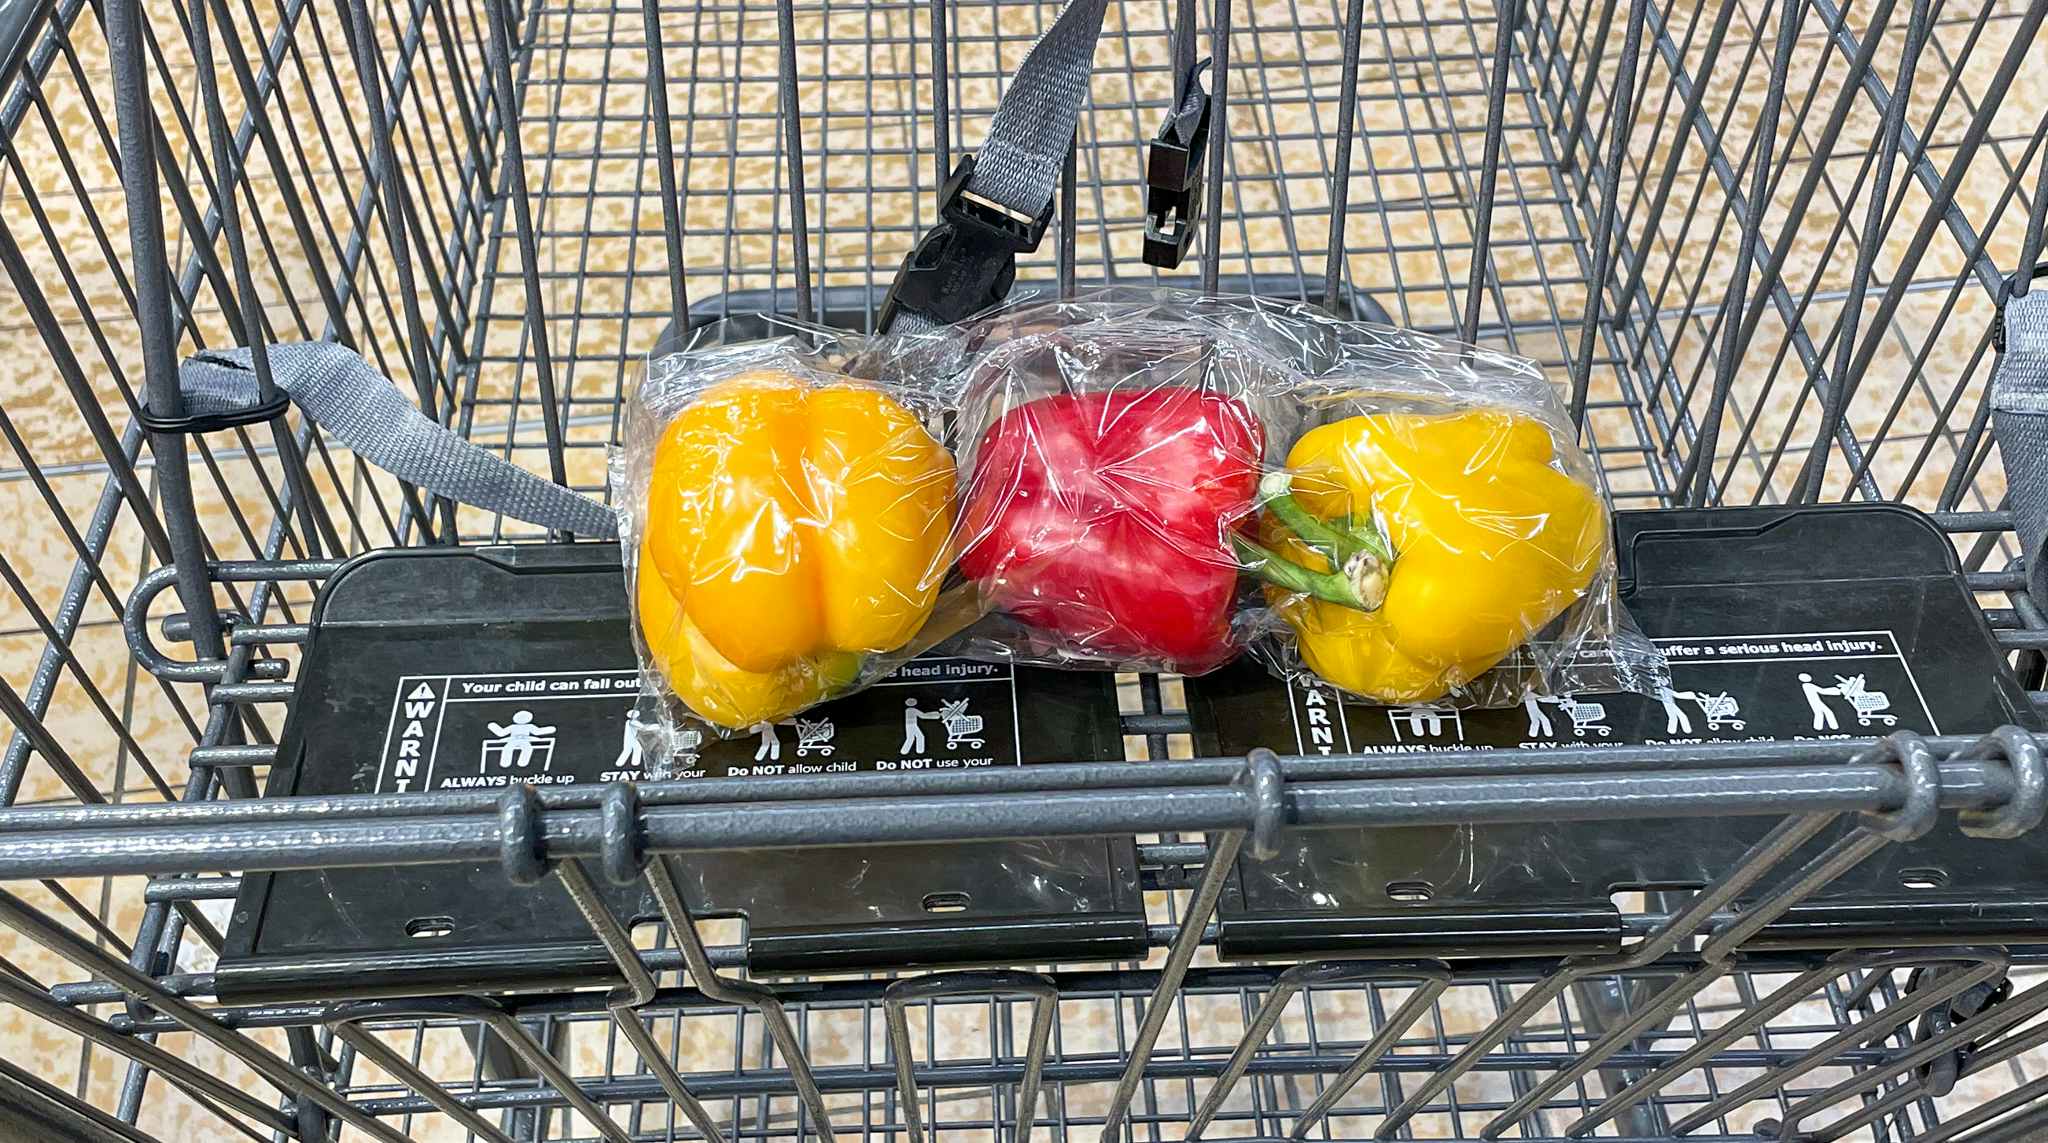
(1833, 684)
(467, 732)
(932, 714)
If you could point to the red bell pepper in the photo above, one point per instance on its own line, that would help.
(1105, 520)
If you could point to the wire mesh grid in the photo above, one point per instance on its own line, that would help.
(1852, 308)
(969, 1052)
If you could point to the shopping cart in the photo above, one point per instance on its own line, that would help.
(1721, 710)
(814, 734)
(1761, 247)
(962, 729)
(1586, 716)
(1870, 706)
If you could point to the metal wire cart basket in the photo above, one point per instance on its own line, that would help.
(1777, 253)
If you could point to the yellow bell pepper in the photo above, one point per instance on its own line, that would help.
(792, 528)
(1411, 552)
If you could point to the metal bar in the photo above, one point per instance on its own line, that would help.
(728, 1083)
(665, 156)
(1201, 906)
(683, 930)
(514, 159)
(1219, 144)
(942, 117)
(1695, 480)
(853, 993)
(1838, 392)
(262, 845)
(30, 1108)
(1842, 857)
(32, 924)
(639, 989)
(1069, 225)
(1489, 166)
(500, 1023)
(213, 1091)
(2037, 233)
(1823, 1053)
(146, 241)
(193, 889)
(405, 1072)
(1602, 27)
(1774, 847)
(1432, 980)
(1756, 1015)
(2025, 1127)
(1347, 126)
(1976, 1031)
(397, 210)
(1602, 239)
(228, 174)
(1726, 177)
(576, 833)
(1965, 781)
(85, 572)
(793, 144)
(1044, 997)
(1607, 1003)
(1943, 205)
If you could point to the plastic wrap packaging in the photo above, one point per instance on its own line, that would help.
(1110, 461)
(1156, 480)
(786, 530)
(1437, 535)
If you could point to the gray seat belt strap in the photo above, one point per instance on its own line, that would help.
(1020, 161)
(361, 409)
(996, 204)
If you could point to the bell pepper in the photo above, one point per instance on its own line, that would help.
(1103, 519)
(1411, 552)
(792, 528)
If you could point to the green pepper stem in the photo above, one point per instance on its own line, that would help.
(1339, 541)
(1361, 561)
(1277, 569)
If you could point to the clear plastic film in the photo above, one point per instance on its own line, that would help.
(1109, 458)
(1436, 535)
(786, 530)
(1158, 480)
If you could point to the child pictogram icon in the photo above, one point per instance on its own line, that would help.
(519, 745)
(1425, 720)
(770, 749)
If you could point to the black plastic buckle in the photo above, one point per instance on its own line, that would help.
(276, 407)
(1173, 179)
(967, 262)
(1939, 1075)
(2005, 293)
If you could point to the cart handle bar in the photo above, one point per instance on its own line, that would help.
(522, 829)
